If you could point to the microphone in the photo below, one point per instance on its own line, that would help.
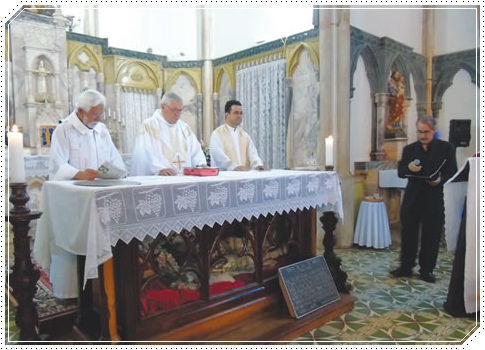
(416, 162)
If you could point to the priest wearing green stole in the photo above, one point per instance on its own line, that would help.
(231, 148)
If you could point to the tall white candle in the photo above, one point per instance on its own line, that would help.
(329, 151)
(16, 156)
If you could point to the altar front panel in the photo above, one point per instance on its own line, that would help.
(161, 287)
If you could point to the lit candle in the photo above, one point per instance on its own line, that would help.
(329, 151)
(16, 156)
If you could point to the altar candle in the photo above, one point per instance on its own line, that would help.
(329, 151)
(16, 156)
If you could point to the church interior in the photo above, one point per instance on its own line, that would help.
(338, 101)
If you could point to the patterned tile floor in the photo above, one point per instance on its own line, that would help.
(388, 311)
(392, 310)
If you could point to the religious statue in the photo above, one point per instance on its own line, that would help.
(42, 89)
(397, 103)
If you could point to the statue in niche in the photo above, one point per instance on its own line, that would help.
(397, 105)
(42, 87)
(303, 123)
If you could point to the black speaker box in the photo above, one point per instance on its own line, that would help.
(460, 132)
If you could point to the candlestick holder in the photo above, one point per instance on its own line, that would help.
(328, 167)
(24, 277)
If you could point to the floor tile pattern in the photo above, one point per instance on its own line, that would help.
(392, 310)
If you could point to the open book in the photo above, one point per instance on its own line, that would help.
(428, 177)
(111, 171)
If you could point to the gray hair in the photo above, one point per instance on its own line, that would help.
(427, 120)
(89, 99)
(169, 97)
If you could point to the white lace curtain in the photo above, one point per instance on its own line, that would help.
(261, 91)
(136, 106)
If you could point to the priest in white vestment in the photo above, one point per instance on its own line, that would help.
(231, 148)
(79, 145)
(166, 144)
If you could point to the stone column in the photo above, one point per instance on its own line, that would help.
(327, 86)
(334, 32)
(381, 99)
(91, 21)
(428, 50)
(342, 126)
(207, 73)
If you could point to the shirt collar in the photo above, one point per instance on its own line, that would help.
(162, 118)
(230, 128)
(80, 127)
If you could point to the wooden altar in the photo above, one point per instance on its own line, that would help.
(213, 279)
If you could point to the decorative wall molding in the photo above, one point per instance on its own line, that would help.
(381, 56)
(446, 66)
(270, 46)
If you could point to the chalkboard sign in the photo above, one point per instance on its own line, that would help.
(307, 286)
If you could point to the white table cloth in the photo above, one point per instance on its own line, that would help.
(90, 220)
(455, 194)
(372, 227)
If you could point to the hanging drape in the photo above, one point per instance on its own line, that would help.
(261, 91)
(136, 106)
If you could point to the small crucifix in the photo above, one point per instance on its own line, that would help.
(176, 160)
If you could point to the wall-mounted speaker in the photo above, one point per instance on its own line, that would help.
(460, 132)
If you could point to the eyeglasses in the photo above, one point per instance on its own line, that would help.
(423, 132)
(178, 111)
(98, 115)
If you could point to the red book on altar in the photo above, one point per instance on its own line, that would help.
(201, 171)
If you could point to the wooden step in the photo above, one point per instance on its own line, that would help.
(263, 321)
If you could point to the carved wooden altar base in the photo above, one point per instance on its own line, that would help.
(255, 311)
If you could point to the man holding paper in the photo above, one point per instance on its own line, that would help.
(427, 164)
(81, 144)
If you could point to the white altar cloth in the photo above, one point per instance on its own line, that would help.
(89, 220)
(455, 194)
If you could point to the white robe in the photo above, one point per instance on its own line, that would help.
(230, 156)
(162, 145)
(74, 147)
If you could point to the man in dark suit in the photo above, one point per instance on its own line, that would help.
(423, 201)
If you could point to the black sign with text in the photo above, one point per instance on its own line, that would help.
(307, 286)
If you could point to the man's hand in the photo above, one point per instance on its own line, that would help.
(413, 167)
(167, 172)
(261, 167)
(241, 168)
(434, 182)
(88, 174)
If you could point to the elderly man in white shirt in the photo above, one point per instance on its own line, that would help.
(79, 145)
(231, 148)
(166, 144)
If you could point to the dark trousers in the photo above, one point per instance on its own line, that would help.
(431, 231)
